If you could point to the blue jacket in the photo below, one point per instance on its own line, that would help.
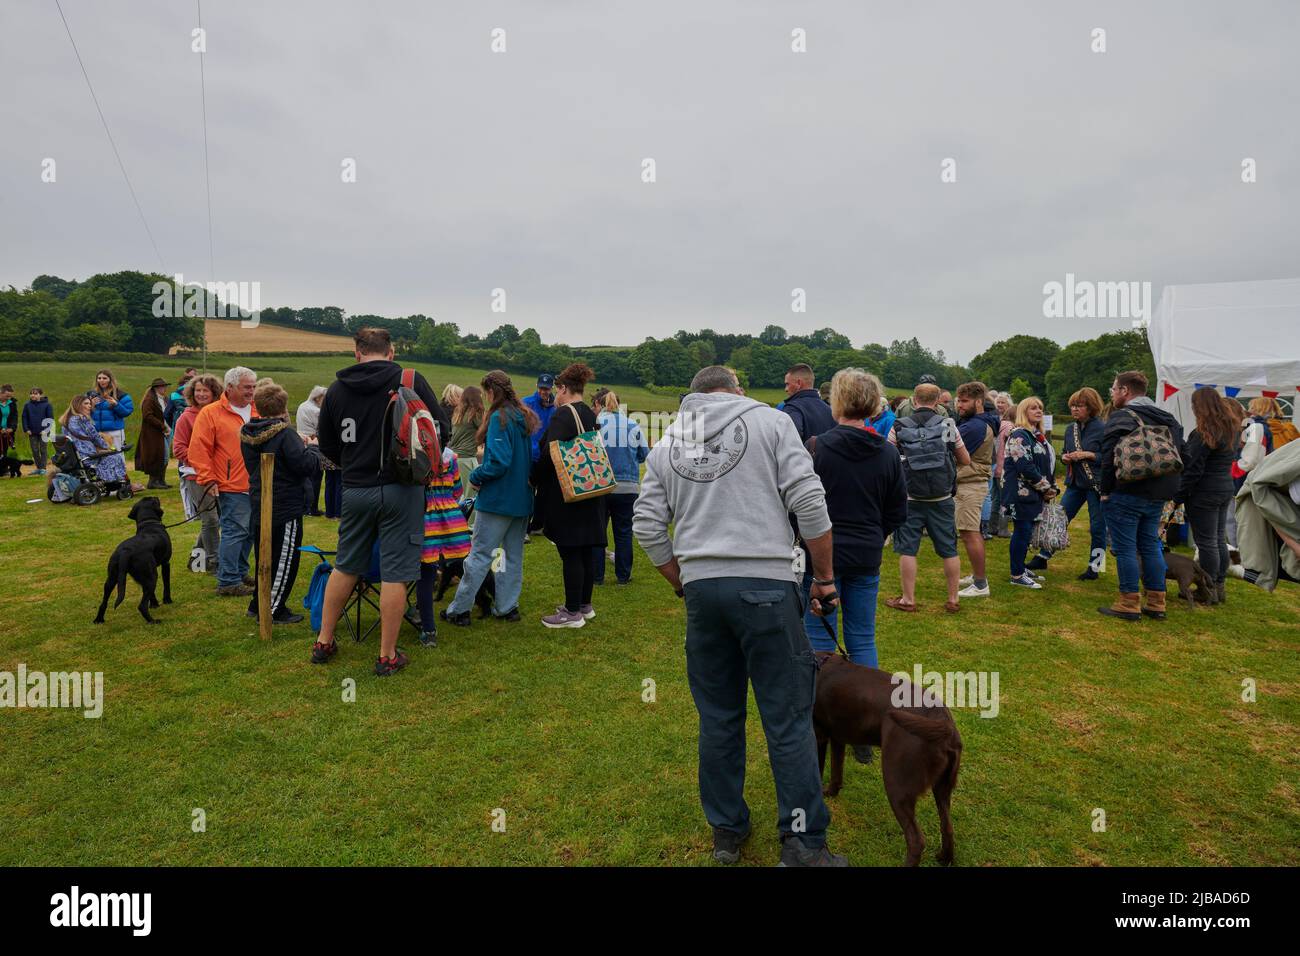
(502, 478)
(625, 445)
(111, 418)
(883, 423)
(35, 414)
(9, 414)
(811, 416)
(543, 413)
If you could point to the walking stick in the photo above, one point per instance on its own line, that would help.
(264, 549)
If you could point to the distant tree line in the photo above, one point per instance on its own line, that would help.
(115, 313)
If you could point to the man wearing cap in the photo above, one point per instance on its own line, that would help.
(906, 407)
(542, 402)
(151, 443)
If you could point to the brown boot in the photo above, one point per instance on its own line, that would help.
(1155, 605)
(1127, 607)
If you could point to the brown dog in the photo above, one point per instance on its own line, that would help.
(920, 748)
(1181, 568)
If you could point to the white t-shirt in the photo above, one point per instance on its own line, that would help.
(246, 412)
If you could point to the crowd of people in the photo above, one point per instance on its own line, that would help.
(770, 523)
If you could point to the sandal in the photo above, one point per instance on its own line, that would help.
(898, 604)
(952, 607)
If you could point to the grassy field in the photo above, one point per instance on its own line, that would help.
(1144, 721)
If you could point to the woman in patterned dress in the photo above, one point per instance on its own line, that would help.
(1027, 483)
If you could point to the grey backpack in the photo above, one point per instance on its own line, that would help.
(930, 469)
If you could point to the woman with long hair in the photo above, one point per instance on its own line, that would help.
(627, 449)
(502, 502)
(1028, 483)
(199, 392)
(79, 426)
(1206, 488)
(110, 408)
(466, 418)
(577, 528)
(450, 396)
(1081, 451)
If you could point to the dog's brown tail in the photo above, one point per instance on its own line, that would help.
(936, 731)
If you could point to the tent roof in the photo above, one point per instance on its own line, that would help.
(1242, 334)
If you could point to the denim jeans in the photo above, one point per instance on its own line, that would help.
(619, 510)
(750, 630)
(236, 511)
(492, 531)
(986, 509)
(1073, 501)
(1021, 533)
(858, 593)
(1134, 525)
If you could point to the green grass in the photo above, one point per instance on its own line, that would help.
(1145, 721)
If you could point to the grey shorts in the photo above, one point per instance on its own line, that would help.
(392, 513)
(938, 518)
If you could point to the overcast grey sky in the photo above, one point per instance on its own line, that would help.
(775, 169)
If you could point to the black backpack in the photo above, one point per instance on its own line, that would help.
(928, 465)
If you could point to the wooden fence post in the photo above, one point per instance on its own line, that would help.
(264, 549)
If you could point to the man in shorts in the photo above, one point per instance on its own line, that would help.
(978, 429)
(931, 449)
(350, 433)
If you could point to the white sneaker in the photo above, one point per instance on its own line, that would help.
(972, 591)
(1026, 580)
(967, 581)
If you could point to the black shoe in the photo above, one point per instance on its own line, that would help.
(726, 845)
(288, 617)
(624, 582)
(1089, 575)
(315, 514)
(385, 666)
(794, 853)
(459, 620)
(511, 616)
(429, 638)
(1037, 563)
(321, 653)
(862, 753)
(412, 617)
(1154, 615)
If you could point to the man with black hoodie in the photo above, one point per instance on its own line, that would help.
(375, 505)
(804, 405)
(1133, 508)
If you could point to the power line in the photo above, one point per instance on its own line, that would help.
(207, 174)
(121, 165)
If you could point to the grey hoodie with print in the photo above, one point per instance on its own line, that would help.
(726, 474)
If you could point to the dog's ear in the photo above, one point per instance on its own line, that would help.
(135, 510)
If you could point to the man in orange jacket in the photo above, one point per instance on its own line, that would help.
(215, 455)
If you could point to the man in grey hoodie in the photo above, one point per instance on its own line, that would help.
(727, 473)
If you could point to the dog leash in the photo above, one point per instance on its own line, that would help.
(198, 509)
(833, 636)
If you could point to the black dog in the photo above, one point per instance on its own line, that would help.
(140, 557)
(12, 467)
(454, 568)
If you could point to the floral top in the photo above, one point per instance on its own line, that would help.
(1029, 466)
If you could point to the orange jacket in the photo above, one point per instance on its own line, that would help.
(214, 452)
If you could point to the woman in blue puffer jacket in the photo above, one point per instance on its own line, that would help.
(110, 408)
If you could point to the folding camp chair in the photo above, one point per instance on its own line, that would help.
(366, 592)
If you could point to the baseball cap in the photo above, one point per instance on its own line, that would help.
(546, 380)
(926, 379)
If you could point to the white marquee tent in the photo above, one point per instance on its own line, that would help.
(1243, 338)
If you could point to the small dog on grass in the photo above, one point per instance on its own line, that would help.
(920, 748)
(455, 568)
(140, 557)
(1181, 568)
(13, 467)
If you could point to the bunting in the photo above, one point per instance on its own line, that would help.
(1169, 390)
